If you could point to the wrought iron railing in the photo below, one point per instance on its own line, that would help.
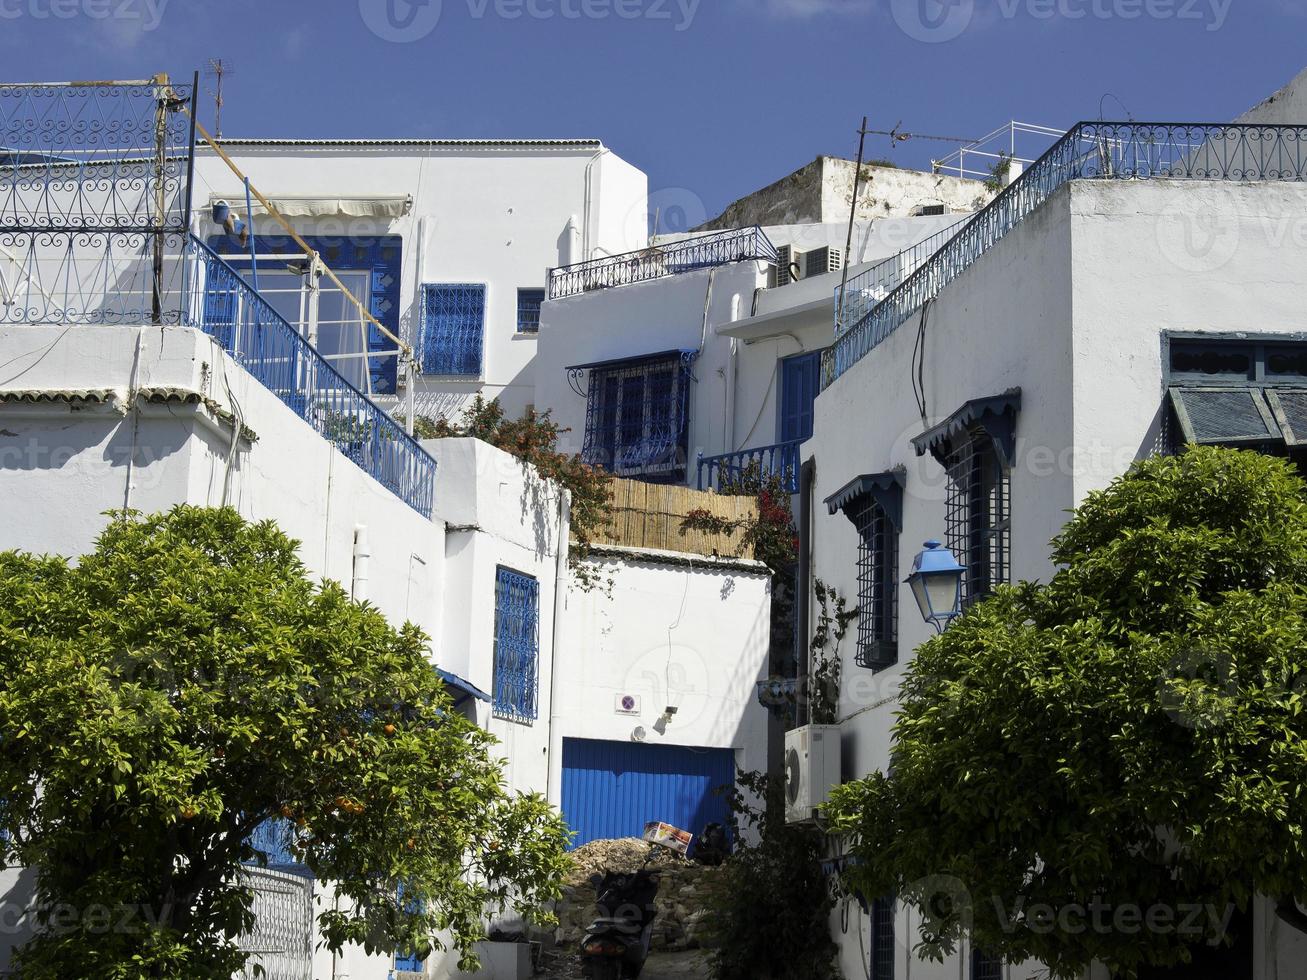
(1089, 151)
(780, 461)
(220, 302)
(869, 287)
(657, 261)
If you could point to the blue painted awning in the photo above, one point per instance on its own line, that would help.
(458, 684)
(681, 353)
(885, 488)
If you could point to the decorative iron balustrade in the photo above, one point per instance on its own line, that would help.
(1089, 151)
(96, 156)
(780, 461)
(92, 277)
(865, 290)
(657, 261)
(219, 302)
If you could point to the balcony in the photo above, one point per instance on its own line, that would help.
(730, 470)
(659, 261)
(95, 222)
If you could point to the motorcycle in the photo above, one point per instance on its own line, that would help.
(616, 944)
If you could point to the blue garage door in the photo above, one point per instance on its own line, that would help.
(612, 789)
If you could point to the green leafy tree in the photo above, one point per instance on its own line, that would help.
(1125, 741)
(186, 682)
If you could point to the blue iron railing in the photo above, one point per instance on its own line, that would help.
(223, 305)
(657, 261)
(780, 461)
(869, 287)
(1089, 151)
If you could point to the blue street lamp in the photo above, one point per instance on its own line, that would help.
(936, 582)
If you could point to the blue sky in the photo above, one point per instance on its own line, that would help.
(712, 98)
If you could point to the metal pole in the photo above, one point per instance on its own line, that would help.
(254, 252)
(848, 242)
(161, 96)
(184, 306)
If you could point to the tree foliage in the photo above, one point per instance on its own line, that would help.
(534, 439)
(186, 682)
(1100, 767)
(769, 912)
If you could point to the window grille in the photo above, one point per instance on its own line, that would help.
(637, 417)
(878, 557)
(977, 517)
(529, 302)
(984, 966)
(882, 939)
(453, 326)
(517, 645)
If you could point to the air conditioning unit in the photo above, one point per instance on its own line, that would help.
(784, 265)
(930, 210)
(812, 767)
(820, 261)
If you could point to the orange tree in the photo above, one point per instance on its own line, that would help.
(187, 682)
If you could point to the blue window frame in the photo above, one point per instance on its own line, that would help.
(638, 416)
(529, 302)
(882, 939)
(379, 258)
(453, 328)
(517, 645)
(800, 378)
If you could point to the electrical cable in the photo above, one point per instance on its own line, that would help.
(917, 367)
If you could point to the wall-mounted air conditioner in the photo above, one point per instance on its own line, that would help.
(820, 261)
(784, 265)
(812, 767)
(930, 210)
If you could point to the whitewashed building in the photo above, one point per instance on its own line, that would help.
(144, 371)
(1097, 312)
(446, 242)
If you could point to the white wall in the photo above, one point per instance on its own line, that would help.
(1070, 307)
(482, 213)
(680, 630)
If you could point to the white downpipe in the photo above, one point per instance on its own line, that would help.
(362, 559)
(572, 248)
(587, 238)
(732, 377)
(553, 769)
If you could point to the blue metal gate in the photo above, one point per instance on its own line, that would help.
(612, 789)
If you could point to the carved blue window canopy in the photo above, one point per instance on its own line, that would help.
(997, 415)
(874, 504)
(886, 489)
(637, 413)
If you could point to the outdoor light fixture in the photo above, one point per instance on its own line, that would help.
(936, 582)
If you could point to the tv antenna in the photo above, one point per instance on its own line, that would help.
(218, 69)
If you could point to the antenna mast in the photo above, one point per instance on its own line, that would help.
(218, 70)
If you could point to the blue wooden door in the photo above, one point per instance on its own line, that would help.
(612, 789)
(799, 378)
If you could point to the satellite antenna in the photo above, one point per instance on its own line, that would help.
(218, 69)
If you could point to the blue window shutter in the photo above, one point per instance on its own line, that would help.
(453, 328)
(517, 645)
(408, 962)
(272, 839)
(799, 380)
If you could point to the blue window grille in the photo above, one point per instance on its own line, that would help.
(453, 328)
(529, 302)
(878, 585)
(800, 378)
(882, 939)
(273, 840)
(517, 645)
(978, 512)
(638, 416)
(984, 966)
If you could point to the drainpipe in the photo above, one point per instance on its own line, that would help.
(807, 474)
(362, 557)
(554, 793)
(588, 214)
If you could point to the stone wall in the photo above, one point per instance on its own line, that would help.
(683, 890)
